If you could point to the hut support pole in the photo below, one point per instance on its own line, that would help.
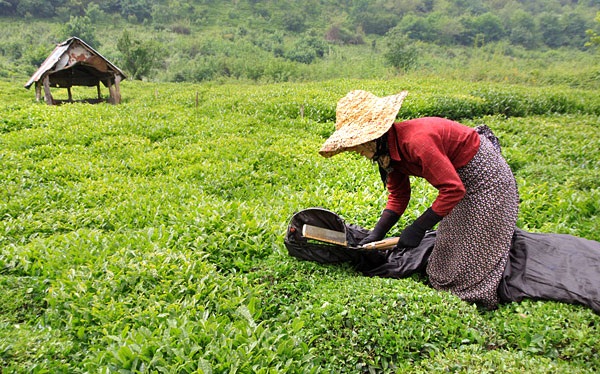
(111, 92)
(38, 91)
(47, 93)
(117, 89)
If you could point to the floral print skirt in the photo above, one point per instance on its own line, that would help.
(473, 241)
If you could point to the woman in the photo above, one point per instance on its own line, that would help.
(477, 203)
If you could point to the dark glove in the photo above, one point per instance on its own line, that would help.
(387, 220)
(413, 234)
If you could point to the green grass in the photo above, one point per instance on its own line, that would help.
(148, 236)
(220, 48)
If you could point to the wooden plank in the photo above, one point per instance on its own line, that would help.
(324, 235)
(388, 243)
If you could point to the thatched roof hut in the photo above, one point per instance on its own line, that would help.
(75, 63)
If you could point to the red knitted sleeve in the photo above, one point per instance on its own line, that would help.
(438, 170)
(398, 186)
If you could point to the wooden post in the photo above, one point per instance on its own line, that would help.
(47, 93)
(117, 89)
(70, 94)
(98, 89)
(111, 92)
(38, 91)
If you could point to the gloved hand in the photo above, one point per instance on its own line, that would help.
(387, 220)
(412, 234)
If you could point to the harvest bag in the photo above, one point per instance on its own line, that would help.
(540, 266)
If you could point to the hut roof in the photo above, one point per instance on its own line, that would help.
(75, 63)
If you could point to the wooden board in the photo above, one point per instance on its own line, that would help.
(324, 235)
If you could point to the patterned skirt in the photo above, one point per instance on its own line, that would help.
(473, 241)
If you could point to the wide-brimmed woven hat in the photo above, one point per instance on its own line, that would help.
(361, 117)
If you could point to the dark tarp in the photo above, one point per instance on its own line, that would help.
(556, 267)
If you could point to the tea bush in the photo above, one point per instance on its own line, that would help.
(148, 236)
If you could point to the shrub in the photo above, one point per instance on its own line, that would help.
(338, 34)
(306, 50)
(139, 57)
(400, 53)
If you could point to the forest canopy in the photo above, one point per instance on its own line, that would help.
(532, 24)
(276, 41)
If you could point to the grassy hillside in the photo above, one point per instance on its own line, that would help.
(536, 42)
(148, 236)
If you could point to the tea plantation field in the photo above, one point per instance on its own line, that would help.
(148, 237)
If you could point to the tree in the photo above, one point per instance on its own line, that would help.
(450, 30)
(522, 29)
(400, 52)
(139, 57)
(417, 28)
(294, 22)
(574, 29)
(341, 35)
(377, 23)
(8, 7)
(550, 29)
(307, 49)
(593, 35)
(94, 13)
(138, 10)
(173, 11)
(37, 8)
(82, 28)
(110, 6)
(487, 25)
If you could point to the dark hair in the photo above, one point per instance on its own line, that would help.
(381, 151)
(382, 148)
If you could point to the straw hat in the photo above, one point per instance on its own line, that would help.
(360, 118)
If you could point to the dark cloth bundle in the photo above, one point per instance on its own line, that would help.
(544, 266)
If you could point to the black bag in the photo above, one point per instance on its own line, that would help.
(540, 266)
(552, 267)
(396, 263)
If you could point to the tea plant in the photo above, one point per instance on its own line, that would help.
(148, 236)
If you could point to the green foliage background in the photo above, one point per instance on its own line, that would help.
(535, 42)
(148, 236)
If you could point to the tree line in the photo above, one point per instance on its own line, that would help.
(274, 40)
(531, 24)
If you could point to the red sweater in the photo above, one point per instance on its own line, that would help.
(432, 148)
